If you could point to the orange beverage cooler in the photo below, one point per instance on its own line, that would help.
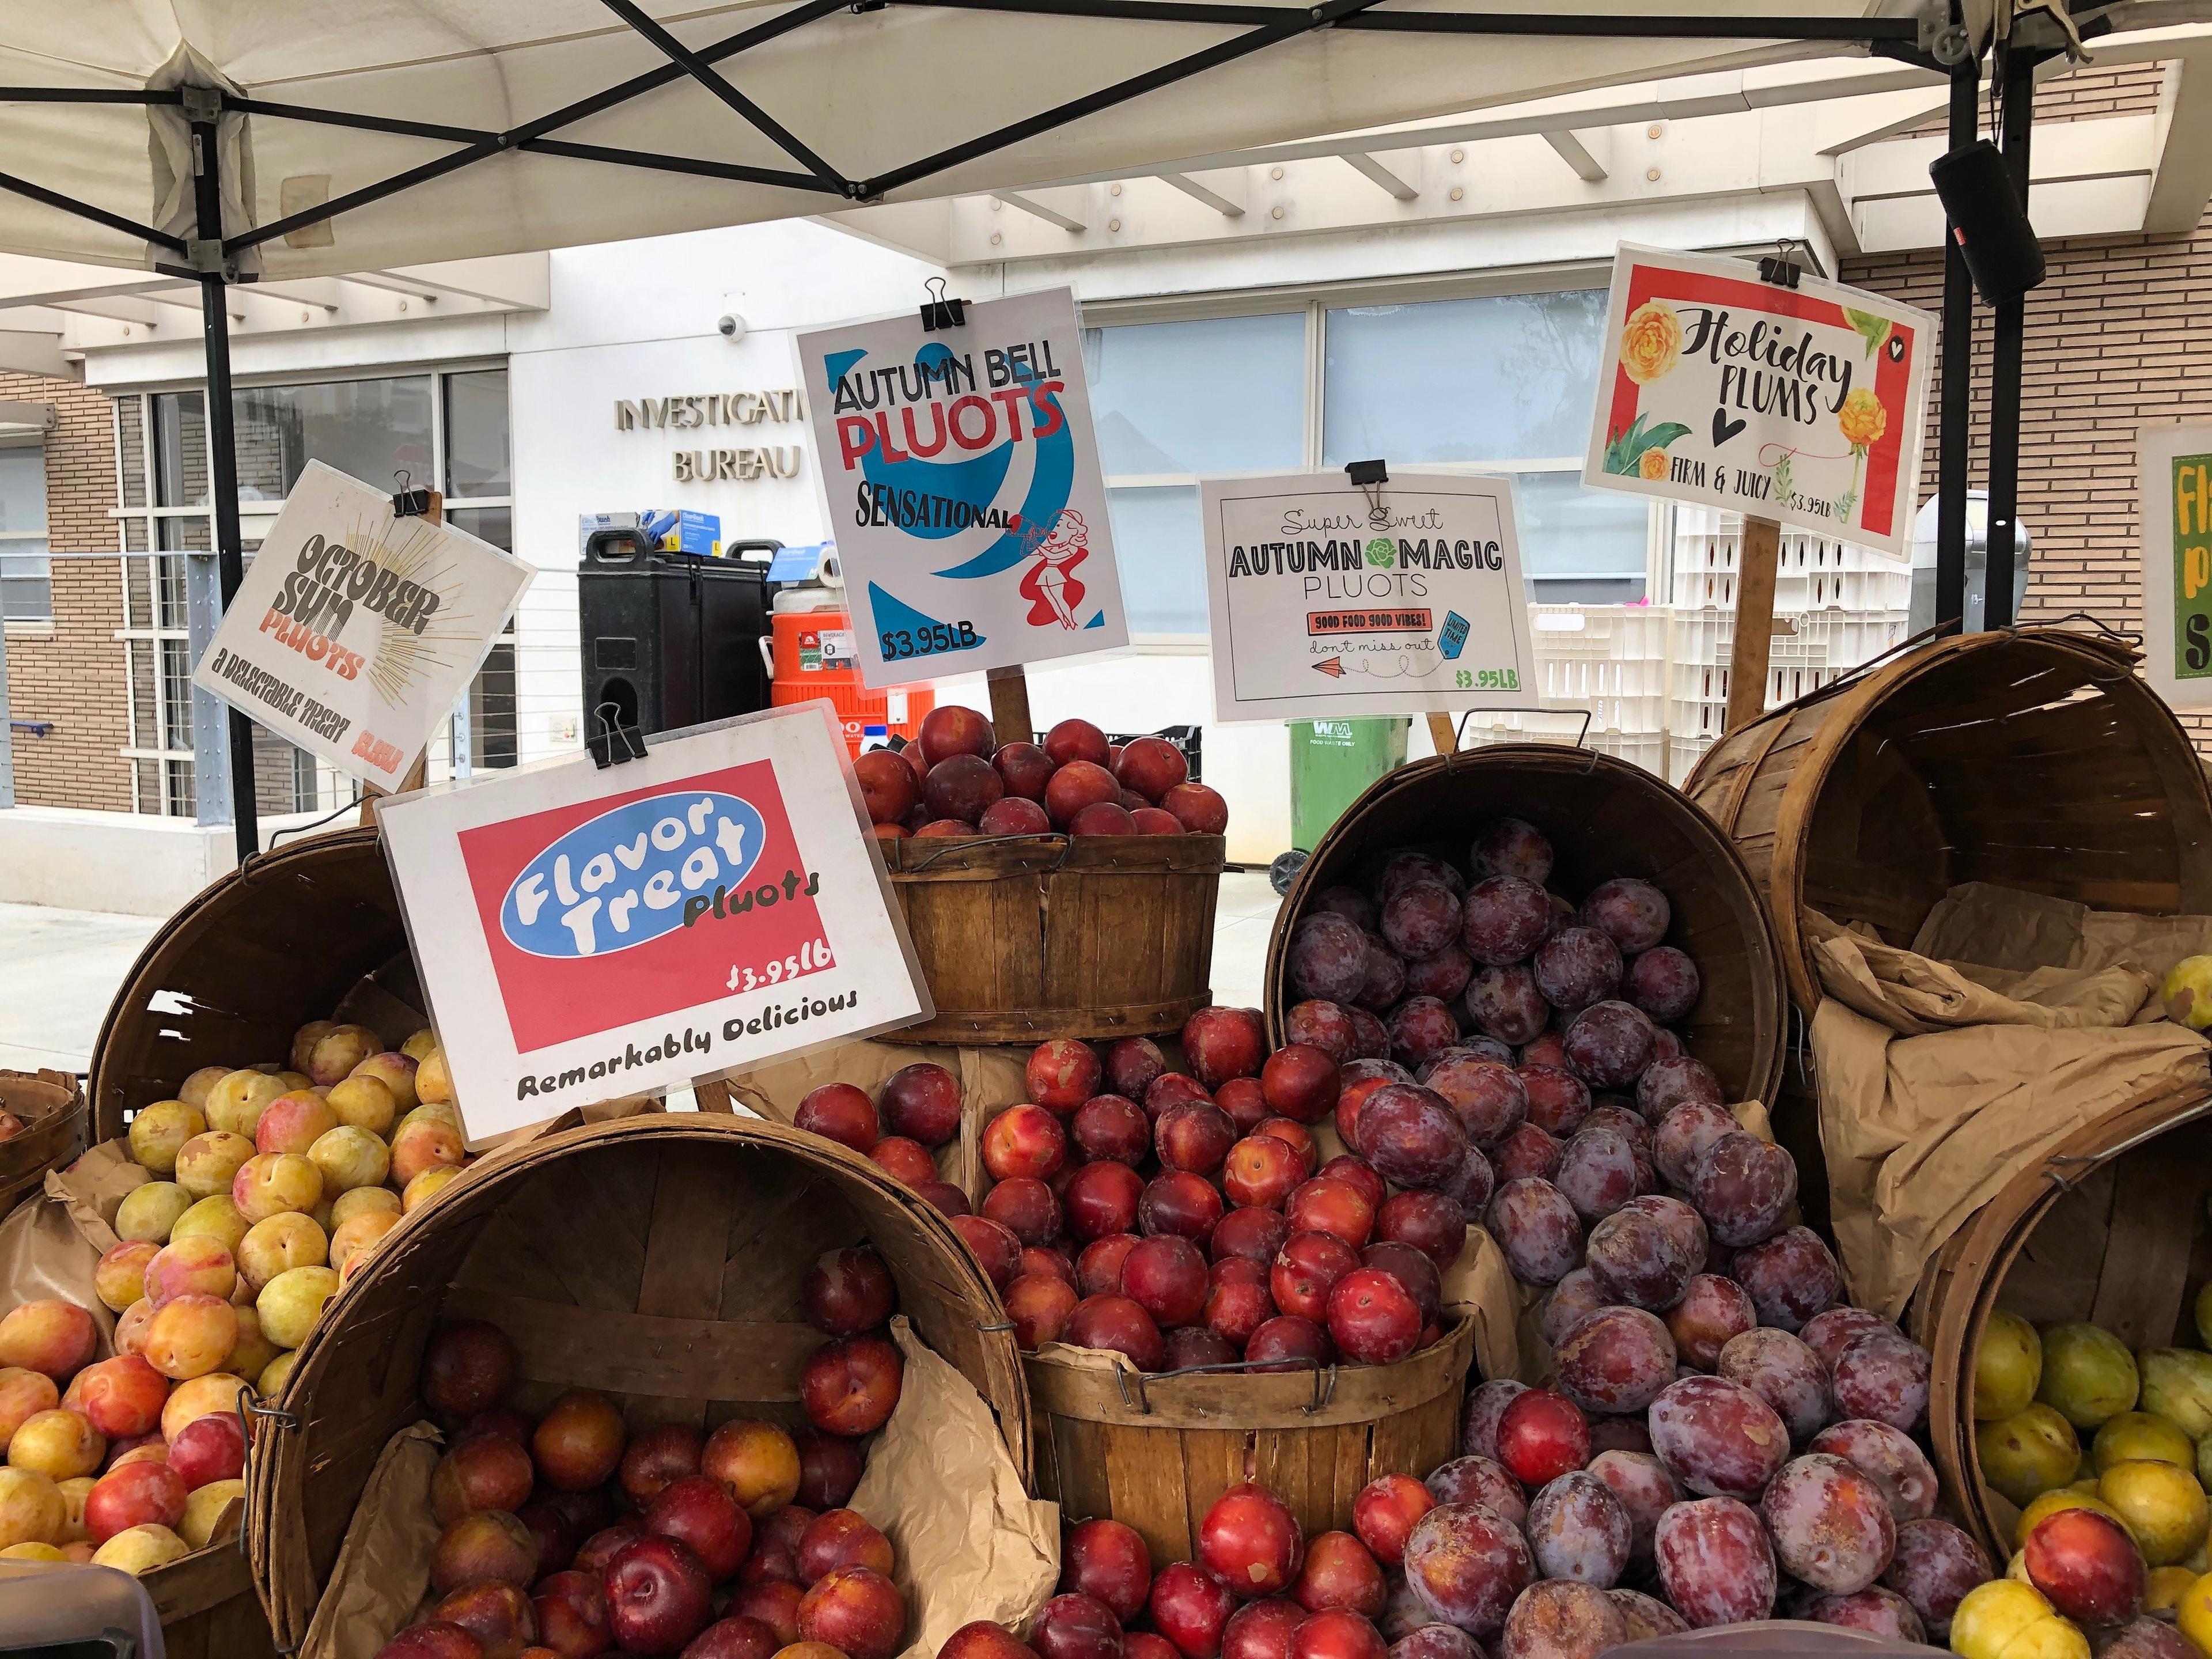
(809, 654)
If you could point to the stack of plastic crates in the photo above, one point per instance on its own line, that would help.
(1836, 605)
(1608, 660)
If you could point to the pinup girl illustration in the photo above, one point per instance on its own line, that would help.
(1051, 586)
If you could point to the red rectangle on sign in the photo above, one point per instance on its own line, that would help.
(1369, 621)
(633, 907)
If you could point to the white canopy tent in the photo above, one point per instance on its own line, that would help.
(238, 140)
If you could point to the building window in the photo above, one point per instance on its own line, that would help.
(1502, 383)
(1172, 401)
(447, 429)
(1492, 384)
(27, 589)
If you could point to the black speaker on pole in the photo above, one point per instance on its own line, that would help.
(671, 638)
(1987, 221)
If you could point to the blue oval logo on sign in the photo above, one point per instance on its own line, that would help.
(620, 879)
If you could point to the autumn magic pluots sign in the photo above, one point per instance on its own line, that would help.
(1802, 405)
(964, 491)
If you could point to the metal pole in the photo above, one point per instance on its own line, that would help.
(2016, 70)
(1958, 378)
(222, 444)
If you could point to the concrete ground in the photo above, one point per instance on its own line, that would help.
(59, 969)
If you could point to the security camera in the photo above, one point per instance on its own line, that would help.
(733, 327)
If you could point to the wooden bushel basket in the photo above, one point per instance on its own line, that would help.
(1604, 817)
(657, 1260)
(52, 1111)
(2033, 759)
(2110, 1227)
(1154, 1452)
(1027, 938)
(255, 956)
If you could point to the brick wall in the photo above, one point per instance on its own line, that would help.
(2118, 334)
(73, 677)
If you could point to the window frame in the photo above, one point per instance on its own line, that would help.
(175, 759)
(32, 627)
(1317, 300)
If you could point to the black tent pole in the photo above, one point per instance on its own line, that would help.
(2016, 70)
(222, 444)
(1958, 378)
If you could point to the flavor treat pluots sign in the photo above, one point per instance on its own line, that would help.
(2176, 576)
(355, 630)
(964, 483)
(586, 934)
(1802, 405)
(1330, 598)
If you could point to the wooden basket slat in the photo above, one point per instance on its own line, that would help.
(2034, 759)
(1023, 940)
(705, 1334)
(1605, 818)
(2110, 1227)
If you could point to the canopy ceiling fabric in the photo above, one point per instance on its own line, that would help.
(867, 94)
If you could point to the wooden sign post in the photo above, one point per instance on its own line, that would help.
(1755, 621)
(1010, 704)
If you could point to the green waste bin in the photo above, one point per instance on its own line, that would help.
(1332, 764)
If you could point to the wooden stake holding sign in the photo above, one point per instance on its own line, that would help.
(1748, 652)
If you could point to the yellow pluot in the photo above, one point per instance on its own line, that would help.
(2193, 1612)
(2028, 1453)
(1989, 1616)
(2057, 1498)
(2008, 1365)
(2088, 1375)
(2164, 1587)
(2187, 994)
(2133, 1436)
(2160, 1504)
(2049, 1638)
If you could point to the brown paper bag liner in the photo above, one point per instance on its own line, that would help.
(1980, 922)
(383, 1569)
(971, 1543)
(51, 1245)
(1940, 1080)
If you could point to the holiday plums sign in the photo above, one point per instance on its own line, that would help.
(964, 483)
(586, 934)
(1802, 405)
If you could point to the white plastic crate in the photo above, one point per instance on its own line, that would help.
(1811, 571)
(1683, 755)
(1610, 660)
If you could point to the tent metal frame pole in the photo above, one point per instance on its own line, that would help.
(223, 447)
(2015, 70)
(1957, 382)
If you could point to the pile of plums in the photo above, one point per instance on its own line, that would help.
(572, 1534)
(956, 779)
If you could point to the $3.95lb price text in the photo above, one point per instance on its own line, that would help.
(900, 642)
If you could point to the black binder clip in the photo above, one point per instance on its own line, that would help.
(410, 503)
(1364, 473)
(616, 743)
(1779, 268)
(938, 311)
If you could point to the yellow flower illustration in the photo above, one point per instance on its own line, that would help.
(1652, 465)
(1651, 343)
(1863, 418)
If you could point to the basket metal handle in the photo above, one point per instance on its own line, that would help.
(1324, 1378)
(965, 842)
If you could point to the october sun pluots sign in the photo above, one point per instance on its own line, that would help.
(1804, 404)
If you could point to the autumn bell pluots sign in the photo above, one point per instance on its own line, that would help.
(1328, 598)
(1802, 404)
(2177, 574)
(586, 934)
(964, 484)
(355, 630)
